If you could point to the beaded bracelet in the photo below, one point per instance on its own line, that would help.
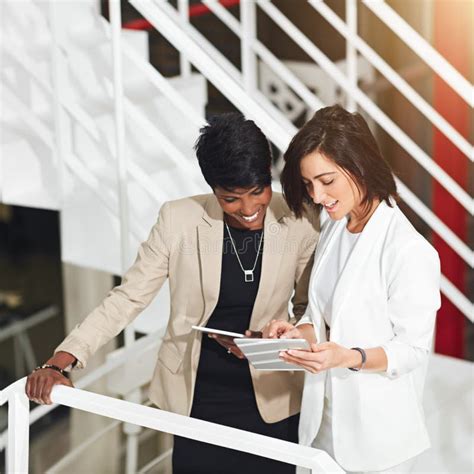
(53, 367)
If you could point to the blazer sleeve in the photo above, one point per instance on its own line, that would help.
(124, 303)
(413, 300)
(304, 267)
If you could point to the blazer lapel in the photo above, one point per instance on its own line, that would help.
(274, 243)
(374, 229)
(210, 243)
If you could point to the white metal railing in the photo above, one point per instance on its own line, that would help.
(169, 24)
(244, 441)
(141, 346)
(313, 102)
(422, 48)
(460, 247)
(215, 67)
(369, 106)
(394, 78)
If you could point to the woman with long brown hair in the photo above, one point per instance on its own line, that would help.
(373, 297)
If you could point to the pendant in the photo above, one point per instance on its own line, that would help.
(248, 275)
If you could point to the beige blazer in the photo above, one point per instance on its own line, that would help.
(185, 246)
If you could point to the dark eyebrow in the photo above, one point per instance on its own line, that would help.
(239, 194)
(324, 174)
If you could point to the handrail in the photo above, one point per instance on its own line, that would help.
(119, 154)
(139, 347)
(120, 356)
(395, 79)
(460, 247)
(311, 100)
(423, 49)
(282, 137)
(153, 418)
(373, 110)
(221, 73)
(436, 224)
(427, 215)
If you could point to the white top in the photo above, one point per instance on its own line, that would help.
(333, 267)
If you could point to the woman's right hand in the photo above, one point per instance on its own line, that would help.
(40, 383)
(277, 328)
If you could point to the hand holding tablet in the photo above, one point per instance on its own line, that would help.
(263, 354)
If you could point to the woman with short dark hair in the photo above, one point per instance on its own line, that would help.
(373, 297)
(223, 255)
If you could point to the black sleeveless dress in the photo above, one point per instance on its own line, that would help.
(224, 392)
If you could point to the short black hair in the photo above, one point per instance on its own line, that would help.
(233, 153)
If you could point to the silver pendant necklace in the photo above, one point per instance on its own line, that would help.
(248, 274)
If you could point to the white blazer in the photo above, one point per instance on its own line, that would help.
(387, 295)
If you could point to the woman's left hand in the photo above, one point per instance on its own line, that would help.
(229, 344)
(324, 356)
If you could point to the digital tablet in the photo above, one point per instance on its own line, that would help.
(217, 331)
(264, 354)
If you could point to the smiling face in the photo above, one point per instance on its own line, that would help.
(331, 186)
(245, 208)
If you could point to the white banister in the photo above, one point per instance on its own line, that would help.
(17, 452)
(436, 223)
(395, 79)
(351, 52)
(422, 48)
(277, 66)
(120, 357)
(120, 156)
(184, 64)
(248, 20)
(370, 107)
(311, 100)
(204, 431)
(162, 17)
(457, 298)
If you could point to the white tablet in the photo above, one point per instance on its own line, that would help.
(217, 331)
(264, 354)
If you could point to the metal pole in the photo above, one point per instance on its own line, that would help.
(351, 54)
(116, 27)
(17, 451)
(248, 15)
(184, 64)
(132, 432)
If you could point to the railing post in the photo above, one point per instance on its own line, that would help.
(248, 19)
(184, 64)
(132, 432)
(122, 176)
(351, 54)
(18, 433)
